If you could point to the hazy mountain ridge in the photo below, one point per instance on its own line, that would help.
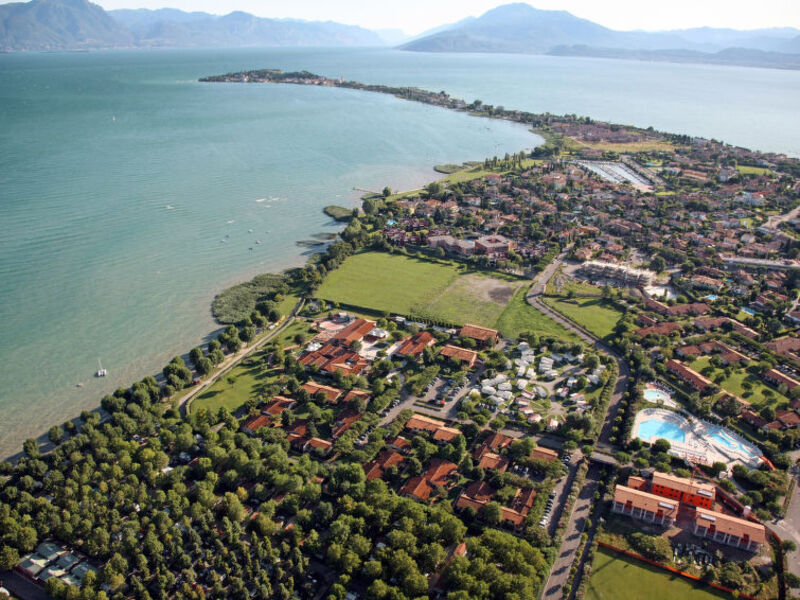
(78, 24)
(748, 57)
(519, 28)
(59, 25)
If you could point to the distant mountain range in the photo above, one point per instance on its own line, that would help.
(78, 24)
(42, 25)
(519, 28)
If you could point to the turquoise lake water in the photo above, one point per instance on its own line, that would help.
(127, 189)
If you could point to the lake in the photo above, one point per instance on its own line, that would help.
(128, 191)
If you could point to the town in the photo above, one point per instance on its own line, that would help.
(482, 389)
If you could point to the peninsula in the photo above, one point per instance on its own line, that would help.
(540, 376)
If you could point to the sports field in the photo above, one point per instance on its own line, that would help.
(617, 578)
(403, 285)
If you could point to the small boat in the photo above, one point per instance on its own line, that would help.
(258, 241)
(79, 385)
(249, 231)
(101, 372)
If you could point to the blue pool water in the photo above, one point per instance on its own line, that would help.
(724, 438)
(655, 395)
(711, 297)
(653, 429)
(749, 311)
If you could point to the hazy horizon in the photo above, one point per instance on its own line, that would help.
(420, 15)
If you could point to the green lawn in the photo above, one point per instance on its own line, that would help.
(593, 313)
(248, 378)
(735, 384)
(245, 380)
(747, 170)
(403, 285)
(520, 316)
(617, 578)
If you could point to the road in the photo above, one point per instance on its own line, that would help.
(775, 220)
(234, 359)
(788, 528)
(580, 511)
(572, 538)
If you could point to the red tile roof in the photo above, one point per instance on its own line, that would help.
(255, 423)
(481, 334)
(414, 345)
(333, 357)
(493, 461)
(354, 332)
(331, 394)
(461, 354)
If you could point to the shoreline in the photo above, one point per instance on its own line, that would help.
(537, 124)
(14, 450)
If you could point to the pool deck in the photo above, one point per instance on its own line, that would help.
(699, 445)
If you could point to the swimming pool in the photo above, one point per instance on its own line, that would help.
(727, 440)
(654, 428)
(749, 311)
(656, 396)
(712, 297)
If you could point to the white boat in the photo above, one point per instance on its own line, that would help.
(101, 372)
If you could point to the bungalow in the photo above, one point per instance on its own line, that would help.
(356, 394)
(752, 418)
(729, 530)
(712, 323)
(331, 394)
(438, 430)
(344, 422)
(440, 473)
(334, 357)
(688, 375)
(545, 454)
(666, 328)
(377, 468)
(493, 461)
(354, 332)
(275, 407)
(684, 351)
(482, 335)
(413, 346)
(642, 505)
(788, 347)
(399, 443)
(253, 424)
(466, 357)
(323, 447)
(779, 379)
(784, 419)
(422, 423)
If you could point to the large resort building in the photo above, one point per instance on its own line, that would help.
(660, 501)
(729, 530)
(687, 491)
(642, 505)
(614, 273)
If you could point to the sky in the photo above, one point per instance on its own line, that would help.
(415, 16)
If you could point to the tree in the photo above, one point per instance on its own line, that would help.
(9, 557)
(661, 445)
(658, 264)
(55, 434)
(792, 580)
(492, 513)
(31, 448)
